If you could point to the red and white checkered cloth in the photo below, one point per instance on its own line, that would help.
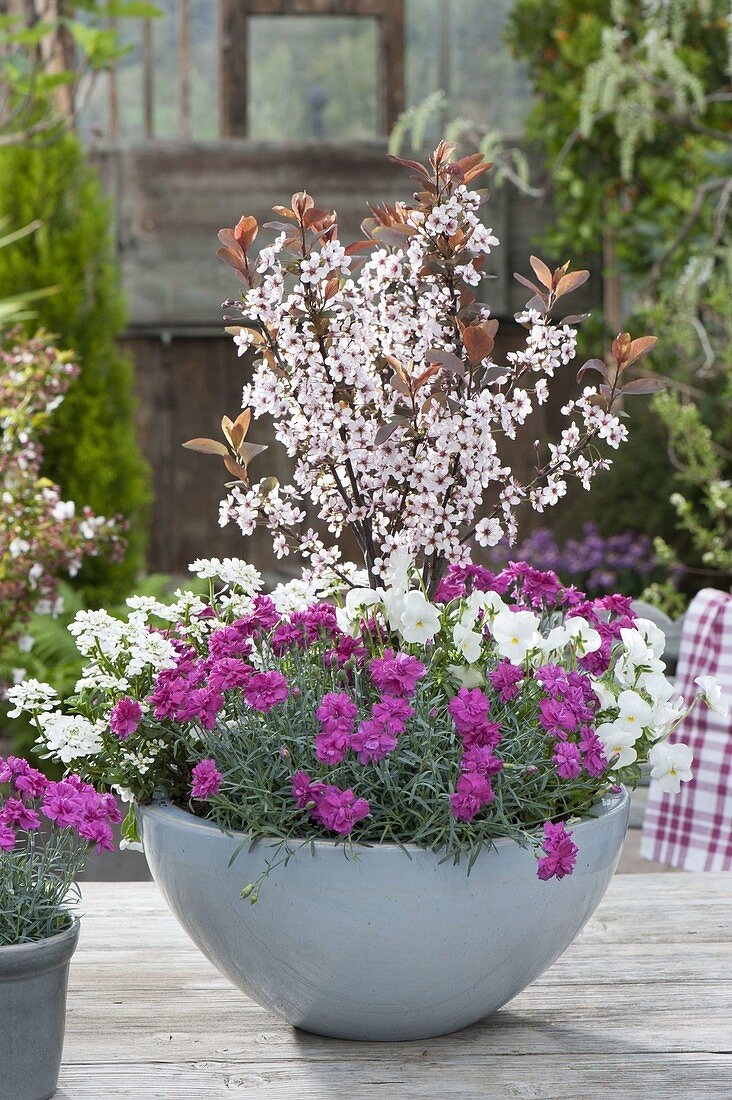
(692, 829)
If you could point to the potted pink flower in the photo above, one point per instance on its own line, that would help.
(414, 766)
(46, 830)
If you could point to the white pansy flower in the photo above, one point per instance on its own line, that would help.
(666, 716)
(420, 620)
(468, 642)
(555, 640)
(515, 633)
(359, 600)
(635, 714)
(671, 766)
(617, 741)
(652, 635)
(712, 694)
(584, 637)
(658, 686)
(400, 562)
(607, 698)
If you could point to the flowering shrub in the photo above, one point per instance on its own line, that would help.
(38, 864)
(41, 534)
(507, 707)
(596, 563)
(379, 375)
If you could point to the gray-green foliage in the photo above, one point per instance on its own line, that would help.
(37, 884)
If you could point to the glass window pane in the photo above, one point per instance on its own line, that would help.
(458, 46)
(312, 77)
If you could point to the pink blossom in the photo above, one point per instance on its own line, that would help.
(556, 718)
(228, 673)
(561, 852)
(393, 713)
(231, 641)
(287, 636)
(567, 759)
(265, 690)
(339, 810)
(304, 790)
(372, 741)
(505, 679)
(595, 761)
(480, 758)
(7, 838)
(17, 814)
(336, 710)
(472, 792)
(396, 674)
(125, 717)
(469, 710)
(206, 780)
(331, 747)
(347, 649)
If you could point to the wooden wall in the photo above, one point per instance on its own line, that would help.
(169, 202)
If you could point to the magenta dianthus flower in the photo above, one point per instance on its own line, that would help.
(595, 761)
(125, 717)
(505, 679)
(20, 816)
(469, 710)
(304, 790)
(473, 791)
(567, 759)
(372, 741)
(206, 779)
(560, 852)
(480, 759)
(557, 718)
(396, 674)
(7, 838)
(339, 810)
(228, 673)
(265, 690)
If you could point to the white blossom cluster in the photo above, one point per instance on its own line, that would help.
(395, 430)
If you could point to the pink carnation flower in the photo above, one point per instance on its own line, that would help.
(125, 717)
(20, 816)
(206, 779)
(561, 852)
(7, 838)
(469, 710)
(396, 674)
(228, 673)
(505, 679)
(372, 741)
(265, 690)
(568, 760)
(472, 792)
(304, 790)
(339, 810)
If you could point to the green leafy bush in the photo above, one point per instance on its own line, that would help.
(91, 451)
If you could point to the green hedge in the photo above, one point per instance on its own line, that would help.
(92, 452)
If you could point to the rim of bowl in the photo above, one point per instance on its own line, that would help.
(58, 939)
(610, 805)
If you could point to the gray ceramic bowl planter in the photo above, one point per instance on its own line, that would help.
(383, 947)
(33, 980)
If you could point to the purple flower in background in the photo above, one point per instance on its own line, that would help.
(125, 717)
(206, 779)
(265, 690)
(561, 852)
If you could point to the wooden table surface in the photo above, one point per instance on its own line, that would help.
(639, 1006)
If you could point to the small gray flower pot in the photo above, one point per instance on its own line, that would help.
(33, 980)
(385, 946)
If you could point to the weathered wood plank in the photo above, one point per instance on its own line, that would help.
(638, 1006)
(655, 1076)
